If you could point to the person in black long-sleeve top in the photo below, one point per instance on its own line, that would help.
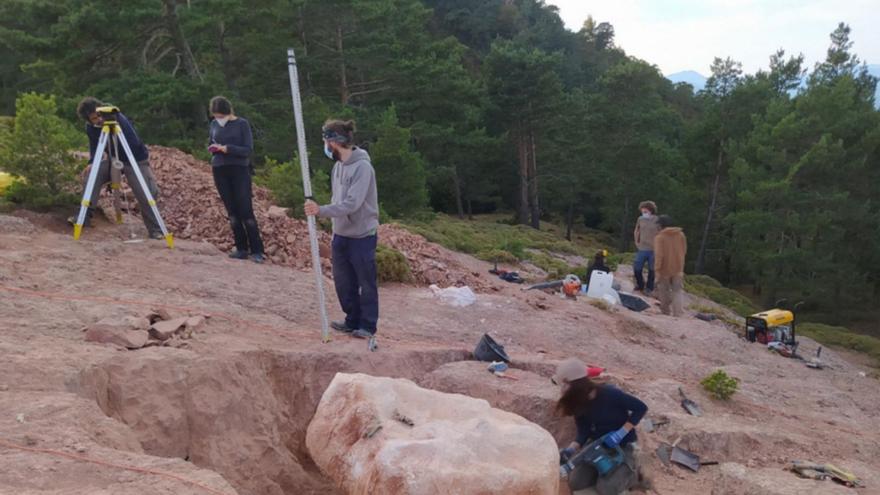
(600, 412)
(231, 144)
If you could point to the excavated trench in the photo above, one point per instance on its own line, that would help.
(245, 415)
(242, 415)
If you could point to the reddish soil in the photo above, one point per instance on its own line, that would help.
(229, 409)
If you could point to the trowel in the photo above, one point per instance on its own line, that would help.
(649, 425)
(689, 405)
(673, 453)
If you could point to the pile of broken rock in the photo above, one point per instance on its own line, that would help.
(157, 328)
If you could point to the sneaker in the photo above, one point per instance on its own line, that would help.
(258, 258)
(360, 333)
(157, 236)
(238, 255)
(341, 326)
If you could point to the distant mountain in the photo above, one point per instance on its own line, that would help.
(695, 79)
(698, 81)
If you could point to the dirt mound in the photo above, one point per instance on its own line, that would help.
(192, 210)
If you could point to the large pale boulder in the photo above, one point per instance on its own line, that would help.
(382, 435)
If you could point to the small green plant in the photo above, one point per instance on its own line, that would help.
(283, 180)
(392, 266)
(37, 146)
(601, 304)
(708, 287)
(720, 385)
(497, 256)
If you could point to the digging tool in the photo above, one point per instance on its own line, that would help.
(688, 459)
(109, 128)
(663, 452)
(307, 192)
(689, 405)
(650, 425)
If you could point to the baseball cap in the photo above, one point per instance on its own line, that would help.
(573, 369)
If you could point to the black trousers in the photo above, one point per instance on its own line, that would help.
(354, 274)
(234, 185)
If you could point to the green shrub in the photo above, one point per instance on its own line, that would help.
(614, 260)
(38, 147)
(555, 267)
(708, 287)
(497, 256)
(392, 265)
(601, 304)
(284, 180)
(841, 337)
(720, 385)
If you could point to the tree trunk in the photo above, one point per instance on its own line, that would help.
(344, 92)
(624, 231)
(172, 23)
(456, 187)
(569, 220)
(522, 217)
(224, 57)
(305, 51)
(470, 209)
(184, 55)
(700, 265)
(533, 182)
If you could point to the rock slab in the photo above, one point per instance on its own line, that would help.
(390, 436)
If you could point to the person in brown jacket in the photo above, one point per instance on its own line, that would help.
(646, 229)
(670, 248)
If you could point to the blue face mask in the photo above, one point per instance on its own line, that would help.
(328, 152)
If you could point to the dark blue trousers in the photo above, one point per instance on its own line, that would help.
(354, 274)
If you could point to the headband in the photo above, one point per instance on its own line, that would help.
(331, 135)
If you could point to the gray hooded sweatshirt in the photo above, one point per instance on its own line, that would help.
(355, 204)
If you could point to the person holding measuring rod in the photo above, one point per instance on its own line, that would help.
(354, 210)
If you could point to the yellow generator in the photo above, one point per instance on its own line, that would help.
(773, 325)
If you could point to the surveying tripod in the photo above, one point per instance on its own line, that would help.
(111, 130)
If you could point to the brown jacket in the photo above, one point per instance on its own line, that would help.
(646, 229)
(670, 248)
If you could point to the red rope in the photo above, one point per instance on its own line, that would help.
(81, 458)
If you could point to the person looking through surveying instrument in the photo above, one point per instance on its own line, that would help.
(355, 213)
(113, 161)
(602, 413)
(231, 144)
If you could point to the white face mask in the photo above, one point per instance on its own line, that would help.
(646, 214)
(222, 121)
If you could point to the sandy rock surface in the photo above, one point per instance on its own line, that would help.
(237, 400)
(383, 435)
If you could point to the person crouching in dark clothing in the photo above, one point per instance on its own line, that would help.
(88, 111)
(600, 411)
(231, 144)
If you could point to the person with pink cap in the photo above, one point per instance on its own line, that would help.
(599, 410)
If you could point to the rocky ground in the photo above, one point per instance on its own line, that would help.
(226, 411)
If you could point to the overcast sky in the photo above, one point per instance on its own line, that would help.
(686, 34)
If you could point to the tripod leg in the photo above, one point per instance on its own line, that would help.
(137, 172)
(90, 184)
(116, 180)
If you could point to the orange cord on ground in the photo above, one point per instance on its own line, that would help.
(99, 462)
